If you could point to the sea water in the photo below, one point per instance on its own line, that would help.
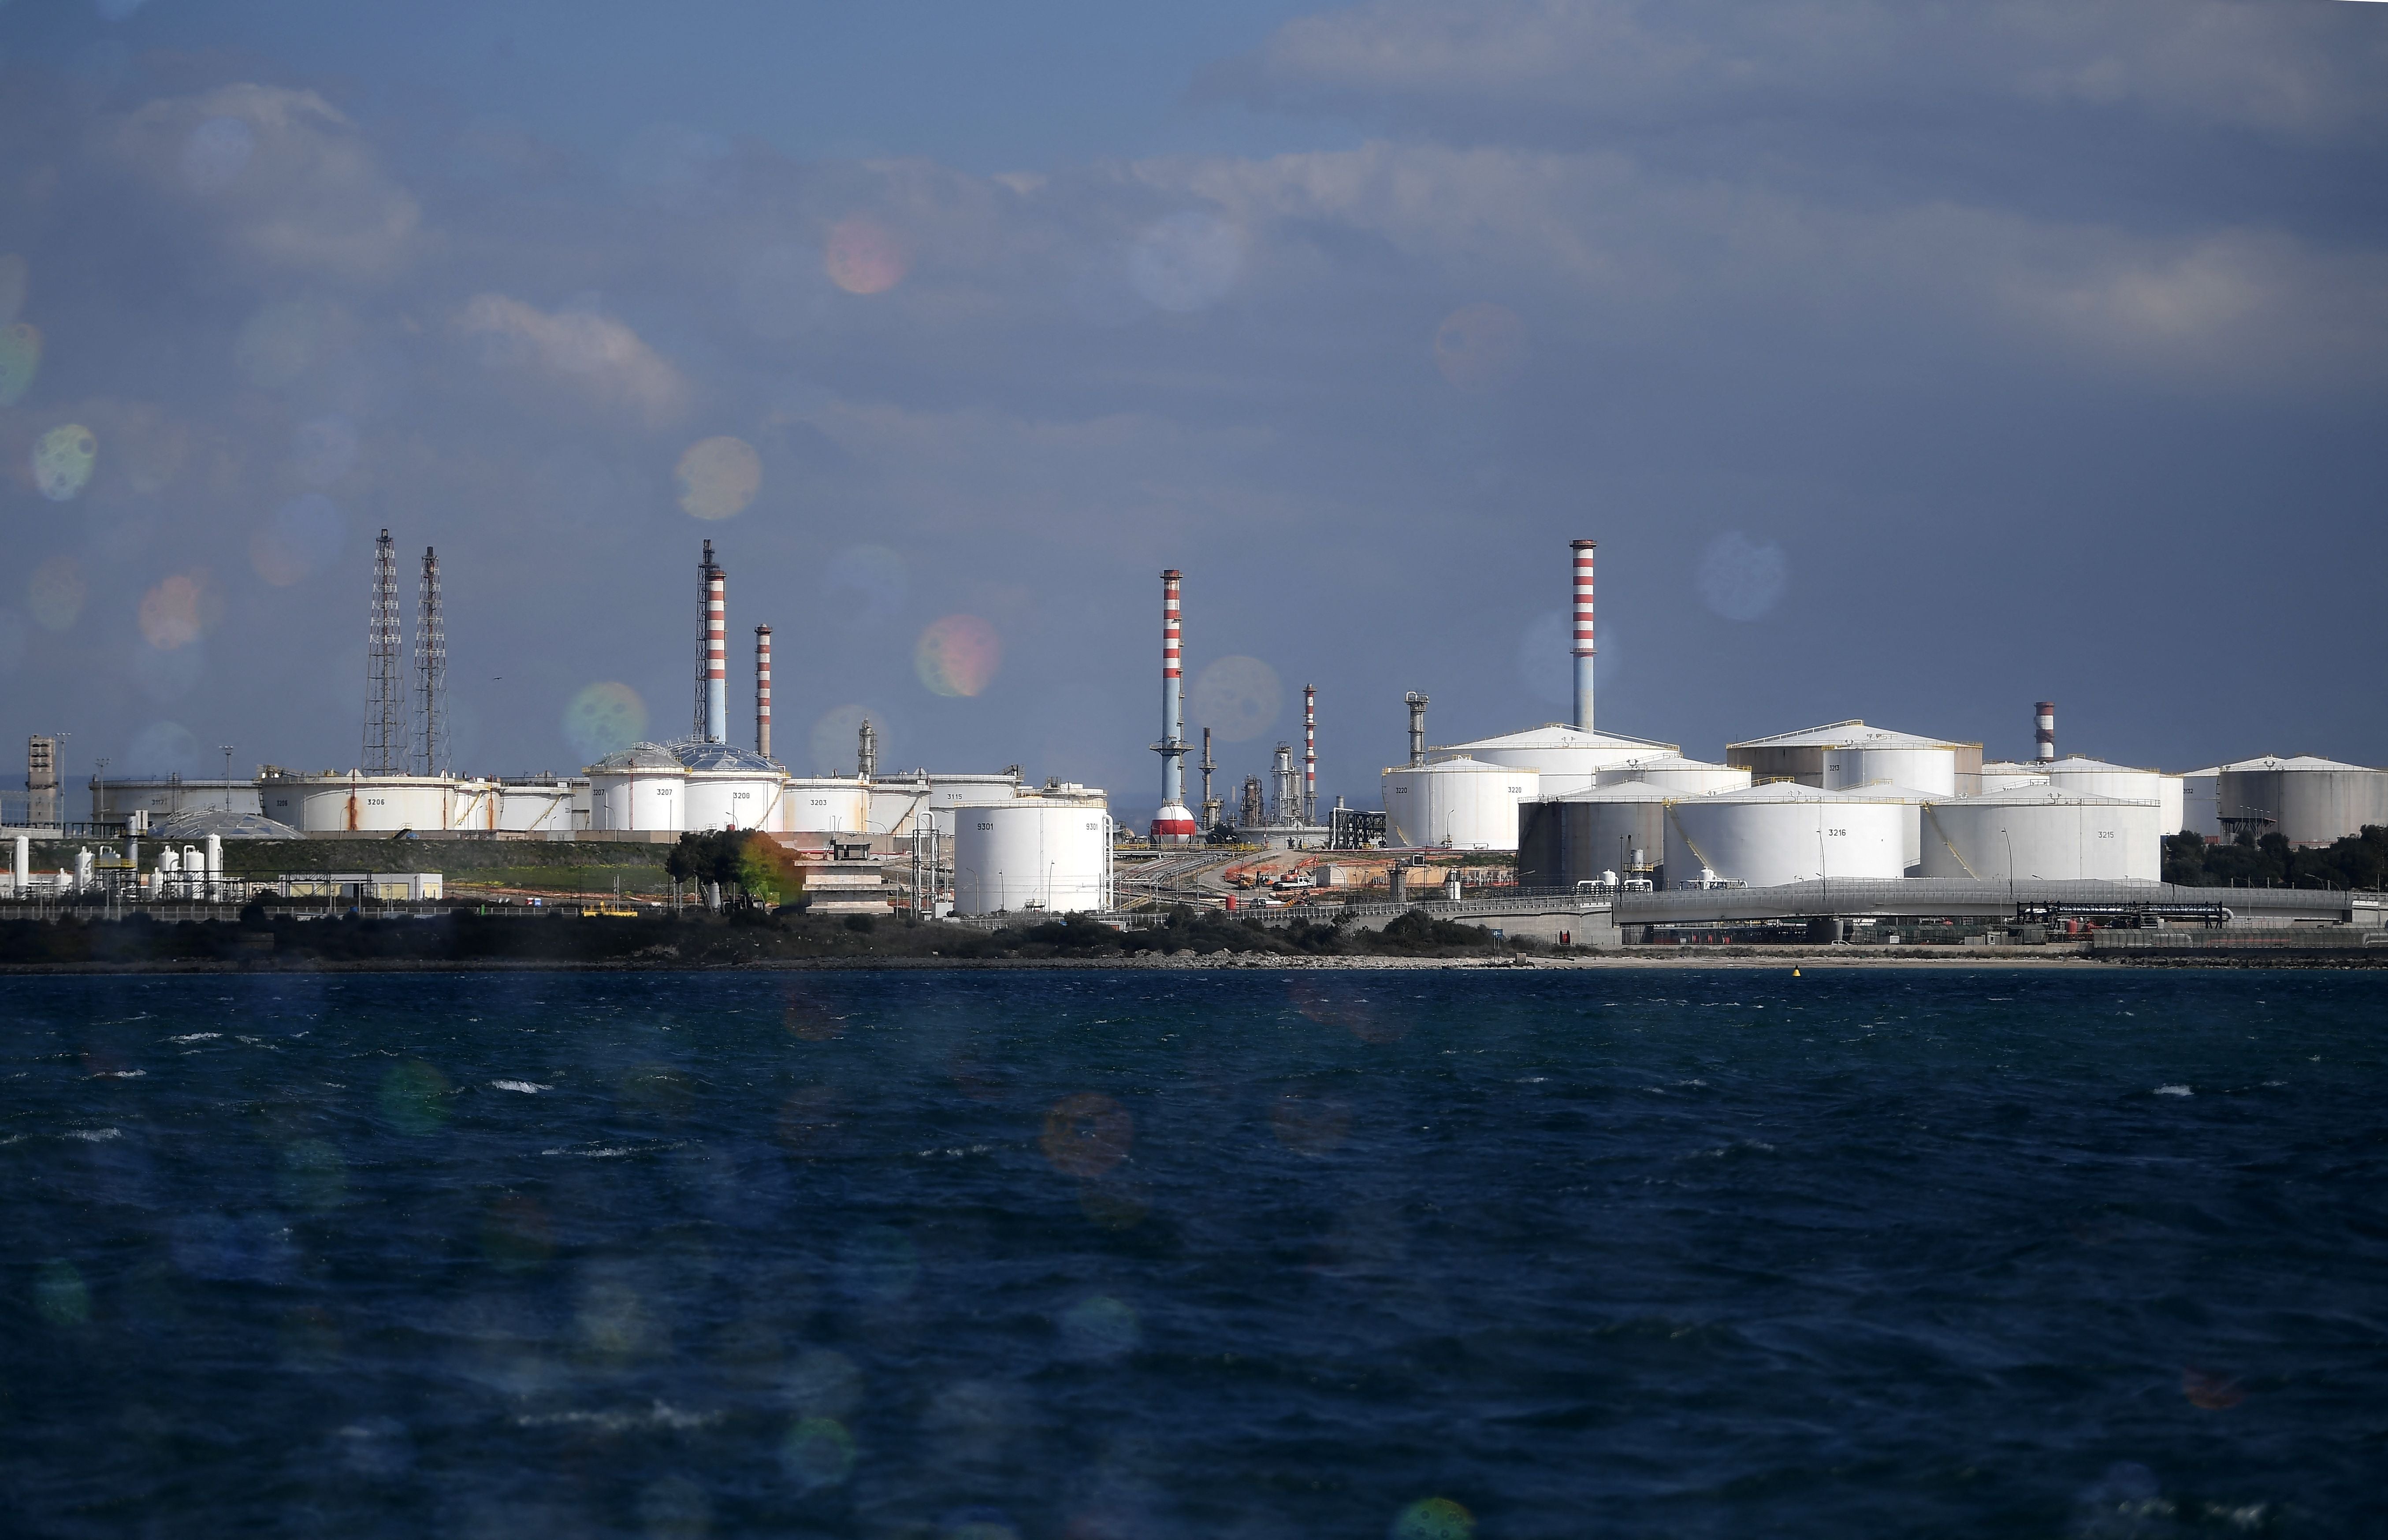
(976, 1255)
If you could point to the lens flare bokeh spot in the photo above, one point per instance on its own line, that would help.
(1236, 698)
(216, 153)
(818, 1453)
(16, 274)
(1741, 578)
(414, 1098)
(63, 460)
(1480, 346)
(865, 256)
(1086, 1134)
(718, 477)
(1186, 261)
(20, 359)
(1433, 1519)
(603, 717)
(171, 612)
(323, 450)
(835, 739)
(958, 655)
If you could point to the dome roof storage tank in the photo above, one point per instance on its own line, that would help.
(825, 804)
(1564, 841)
(1031, 855)
(2046, 832)
(2312, 802)
(1674, 775)
(2095, 777)
(1845, 755)
(729, 786)
(1785, 832)
(2005, 775)
(1569, 759)
(1461, 803)
(643, 787)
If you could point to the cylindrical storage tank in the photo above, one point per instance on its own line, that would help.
(1785, 832)
(2309, 801)
(332, 802)
(1564, 841)
(1567, 759)
(2095, 777)
(641, 789)
(2006, 775)
(2047, 833)
(1461, 803)
(1674, 775)
(1927, 768)
(535, 807)
(1029, 854)
(825, 804)
(729, 786)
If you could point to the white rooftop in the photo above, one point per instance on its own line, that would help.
(1559, 734)
(2083, 762)
(1852, 734)
(1792, 792)
(2036, 796)
(2296, 762)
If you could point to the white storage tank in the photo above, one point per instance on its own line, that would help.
(1844, 755)
(727, 787)
(1785, 832)
(2006, 775)
(1032, 854)
(1672, 773)
(826, 804)
(1567, 759)
(2200, 801)
(2309, 801)
(644, 788)
(898, 801)
(1461, 803)
(163, 796)
(2095, 777)
(1564, 841)
(541, 806)
(2045, 832)
(332, 803)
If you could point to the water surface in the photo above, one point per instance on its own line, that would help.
(1179, 1254)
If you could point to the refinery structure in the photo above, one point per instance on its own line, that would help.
(1568, 809)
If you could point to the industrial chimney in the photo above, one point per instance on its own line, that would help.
(866, 750)
(717, 653)
(763, 690)
(2044, 730)
(1417, 728)
(1172, 824)
(1582, 650)
(1310, 753)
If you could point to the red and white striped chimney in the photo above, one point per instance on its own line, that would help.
(1310, 753)
(1172, 824)
(1583, 650)
(763, 690)
(2044, 724)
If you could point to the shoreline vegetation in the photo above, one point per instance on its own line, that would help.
(463, 940)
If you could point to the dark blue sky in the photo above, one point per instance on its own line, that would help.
(1908, 362)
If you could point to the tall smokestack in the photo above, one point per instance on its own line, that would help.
(1172, 824)
(2044, 724)
(1583, 649)
(763, 690)
(866, 750)
(1417, 728)
(1310, 753)
(717, 652)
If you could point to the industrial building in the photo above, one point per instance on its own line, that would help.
(1049, 854)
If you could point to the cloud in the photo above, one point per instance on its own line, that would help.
(276, 176)
(2301, 71)
(594, 355)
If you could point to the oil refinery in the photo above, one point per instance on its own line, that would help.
(1556, 808)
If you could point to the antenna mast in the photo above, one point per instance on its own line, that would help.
(385, 747)
(431, 670)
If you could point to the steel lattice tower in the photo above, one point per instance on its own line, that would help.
(430, 673)
(385, 752)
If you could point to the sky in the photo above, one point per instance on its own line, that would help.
(1908, 362)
